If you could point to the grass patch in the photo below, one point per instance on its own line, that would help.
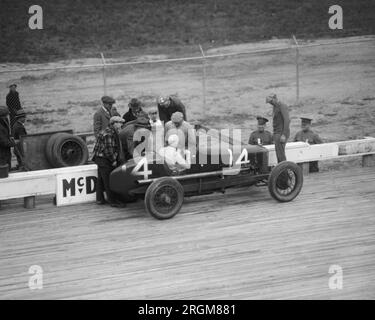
(76, 29)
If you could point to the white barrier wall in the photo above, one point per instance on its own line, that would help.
(40, 182)
(303, 152)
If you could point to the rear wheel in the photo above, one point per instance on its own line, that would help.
(164, 198)
(285, 181)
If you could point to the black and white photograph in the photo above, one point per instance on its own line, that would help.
(201, 152)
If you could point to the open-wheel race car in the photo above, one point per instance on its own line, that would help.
(163, 190)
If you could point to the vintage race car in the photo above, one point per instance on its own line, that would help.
(163, 190)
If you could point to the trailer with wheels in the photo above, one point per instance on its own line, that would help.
(53, 149)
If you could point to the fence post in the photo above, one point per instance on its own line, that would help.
(104, 74)
(204, 76)
(297, 69)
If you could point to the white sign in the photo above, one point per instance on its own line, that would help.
(76, 187)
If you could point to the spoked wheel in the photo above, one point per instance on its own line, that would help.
(285, 181)
(164, 198)
(71, 152)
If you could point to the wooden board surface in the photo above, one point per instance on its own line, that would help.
(241, 245)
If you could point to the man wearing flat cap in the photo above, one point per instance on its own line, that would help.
(310, 137)
(108, 155)
(261, 136)
(13, 103)
(184, 130)
(102, 116)
(19, 130)
(280, 122)
(169, 105)
(6, 141)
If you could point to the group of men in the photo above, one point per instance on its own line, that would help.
(12, 127)
(118, 137)
(281, 131)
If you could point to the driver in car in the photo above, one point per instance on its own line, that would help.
(174, 156)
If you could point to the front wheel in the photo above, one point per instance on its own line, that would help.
(285, 181)
(164, 198)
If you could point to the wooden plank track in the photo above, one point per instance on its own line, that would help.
(241, 245)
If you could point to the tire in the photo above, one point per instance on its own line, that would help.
(49, 149)
(66, 150)
(164, 198)
(285, 181)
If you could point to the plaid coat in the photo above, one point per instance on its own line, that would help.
(108, 146)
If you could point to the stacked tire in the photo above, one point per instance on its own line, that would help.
(66, 150)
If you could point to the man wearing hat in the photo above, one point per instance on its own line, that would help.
(6, 141)
(102, 116)
(135, 106)
(307, 135)
(184, 130)
(19, 130)
(261, 136)
(169, 105)
(107, 155)
(128, 131)
(281, 122)
(13, 103)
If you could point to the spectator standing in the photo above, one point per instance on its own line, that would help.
(307, 135)
(13, 103)
(127, 133)
(168, 106)
(154, 117)
(19, 130)
(6, 141)
(281, 122)
(135, 106)
(103, 115)
(108, 155)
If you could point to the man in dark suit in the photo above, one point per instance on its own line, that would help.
(13, 103)
(135, 106)
(102, 116)
(281, 122)
(19, 130)
(168, 106)
(126, 134)
(6, 141)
